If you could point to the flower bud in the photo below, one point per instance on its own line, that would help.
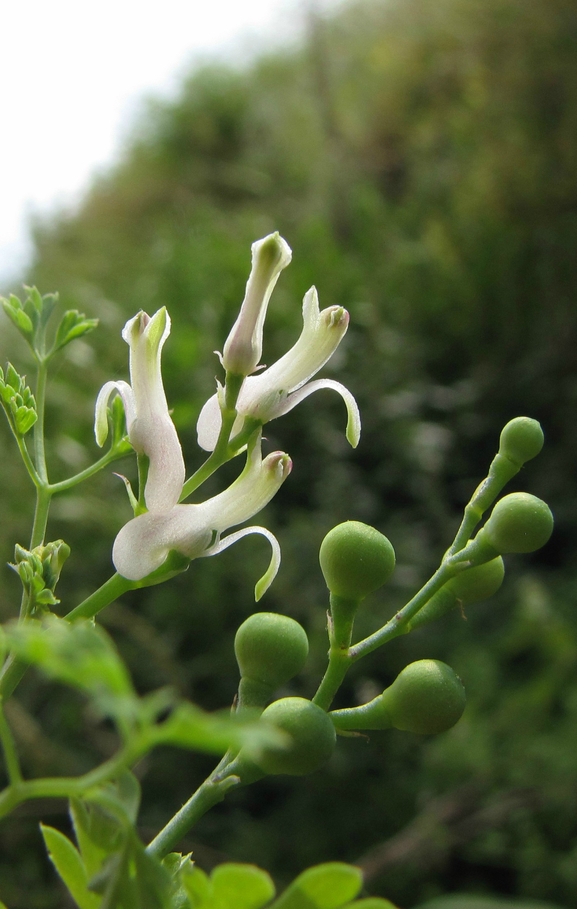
(312, 733)
(270, 649)
(521, 440)
(355, 560)
(519, 522)
(243, 347)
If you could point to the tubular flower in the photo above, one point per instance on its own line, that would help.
(286, 383)
(150, 427)
(243, 347)
(195, 530)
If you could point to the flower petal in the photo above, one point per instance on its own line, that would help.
(209, 423)
(243, 348)
(143, 543)
(270, 574)
(151, 431)
(353, 431)
(264, 397)
(321, 334)
(101, 408)
(166, 472)
(251, 491)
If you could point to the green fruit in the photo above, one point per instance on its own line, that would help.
(470, 586)
(355, 560)
(373, 715)
(521, 440)
(312, 733)
(519, 523)
(479, 583)
(427, 697)
(443, 601)
(270, 648)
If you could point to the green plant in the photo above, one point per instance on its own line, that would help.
(111, 866)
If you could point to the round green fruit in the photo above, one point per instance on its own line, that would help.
(478, 583)
(427, 697)
(356, 560)
(270, 648)
(312, 737)
(521, 440)
(519, 523)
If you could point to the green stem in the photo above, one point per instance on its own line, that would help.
(28, 462)
(39, 450)
(9, 748)
(112, 455)
(113, 588)
(221, 454)
(206, 470)
(398, 624)
(70, 787)
(501, 470)
(222, 451)
(210, 793)
(43, 499)
(13, 671)
(339, 662)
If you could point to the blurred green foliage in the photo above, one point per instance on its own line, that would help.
(420, 159)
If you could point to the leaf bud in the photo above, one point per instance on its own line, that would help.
(521, 440)
(519, 522)
(355, 560)
(312, 737)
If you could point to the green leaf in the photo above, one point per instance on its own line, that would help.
(237, 886)
(34, 298)
(115, 882)
(81, 655)
(120, 798)
(25, 418)
(39, 307)
(18, 400)
(96, 834)
(153, 880)
(22, 321)
(328, 886)
(190, 727)
(198, 888)
(175, 862)
(69, 866)
(177, 866)
(73, 325)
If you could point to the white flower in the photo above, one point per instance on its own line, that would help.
(285, 384)
(243, 347)
(150, 427)
(195, 530)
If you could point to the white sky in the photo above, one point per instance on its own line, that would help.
(72, 75)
